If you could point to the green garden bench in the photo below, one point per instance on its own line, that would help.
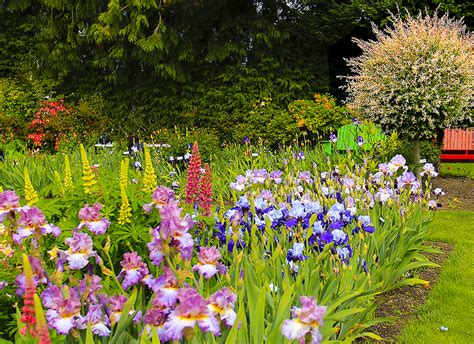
(347, 137)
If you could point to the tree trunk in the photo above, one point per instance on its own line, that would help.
(416, 156)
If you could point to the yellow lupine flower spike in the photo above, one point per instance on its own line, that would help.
(68, 185)
(125, 214)
(87, 176)
(149, 178)
(30, 194)
(59, 184)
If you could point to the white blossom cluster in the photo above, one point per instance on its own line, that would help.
(416, 76)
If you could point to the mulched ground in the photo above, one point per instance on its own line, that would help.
(401, 304)
(459, 192)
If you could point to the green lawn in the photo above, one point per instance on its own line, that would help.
(465, 169)
(451, 301)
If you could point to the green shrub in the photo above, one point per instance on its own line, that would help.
(180, 140)
(268, 123)
(319, 117)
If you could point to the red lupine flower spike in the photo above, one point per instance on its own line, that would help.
(194, 174)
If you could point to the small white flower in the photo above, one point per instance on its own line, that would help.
(273, 288)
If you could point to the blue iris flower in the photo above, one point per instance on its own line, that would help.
(243, 203)
(339, 237)
(296, 253)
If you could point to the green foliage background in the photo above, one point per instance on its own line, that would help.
(204, 64)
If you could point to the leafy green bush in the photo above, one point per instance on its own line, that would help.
(268, 123)
(319, 117)
(180, 140)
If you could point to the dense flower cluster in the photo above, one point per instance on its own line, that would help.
(329, 205)
(289, 221)
(175, 307)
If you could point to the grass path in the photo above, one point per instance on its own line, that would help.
(457, 169)
(451, 301)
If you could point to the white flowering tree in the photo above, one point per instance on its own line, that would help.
(415, 77)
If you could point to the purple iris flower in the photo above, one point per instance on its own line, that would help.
(335, 212)
(156, 247)
(90, 287)
(297, 210)
(300, 156)
(406, 180)
(383, 167)
(429, 169)
(318, 228)
(156, 316)
(39, 276)
(267, 195)
(222, 303)
(339, 237)
(162, 195)
(275, 216)
(243, 203)
(383, 195)
(175, 227)
(336, 225)
(133, 269)
(32, 221)
(192, 310)
(305, 176)
(360, 141)
(276, 176)
(239, 184)
(344, 253)
(396, 162)
(98, 321)
(63, 313)
(259, 176)
(312, 207)
(9, 201)
(245, 140)
(209, 264)
(80, 250)
(333, 138)
(92, 219)
(115, 307)
(305, 321)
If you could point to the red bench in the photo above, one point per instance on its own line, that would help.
(458, 144)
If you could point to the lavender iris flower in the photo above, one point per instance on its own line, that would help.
(133, 269)
(32, 221)
(276, 176)
(92, 219)
(305, 321)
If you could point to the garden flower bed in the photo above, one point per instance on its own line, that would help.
(294, 246)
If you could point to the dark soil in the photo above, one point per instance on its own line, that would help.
(459, 192)
(401, 304)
